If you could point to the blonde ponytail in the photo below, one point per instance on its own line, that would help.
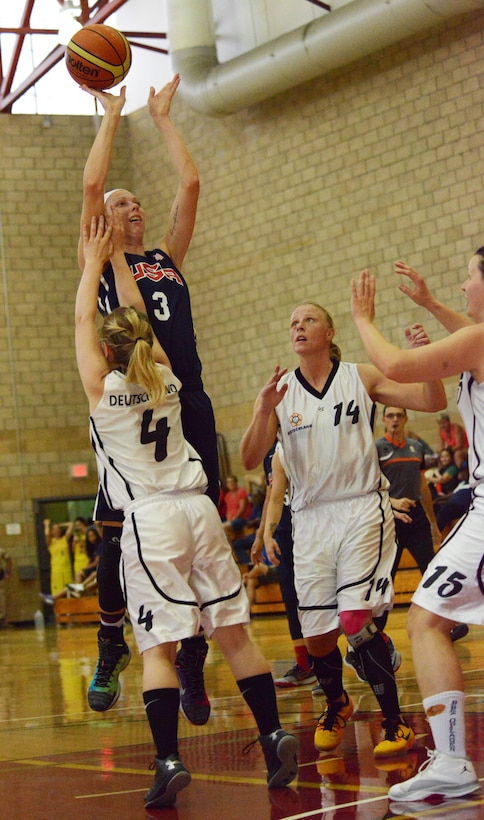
(129, 335)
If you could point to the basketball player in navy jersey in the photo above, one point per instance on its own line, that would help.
(452, 588)
(343, 528)
(167, 303)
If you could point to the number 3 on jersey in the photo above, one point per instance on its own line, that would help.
(158, 434)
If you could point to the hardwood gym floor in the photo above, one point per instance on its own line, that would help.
(60, 760)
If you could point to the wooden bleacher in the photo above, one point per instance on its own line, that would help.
(268, 600)
(82, 610)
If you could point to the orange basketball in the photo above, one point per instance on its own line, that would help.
(98, 56)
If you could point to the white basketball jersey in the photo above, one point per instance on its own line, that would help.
(141, 450)
(470, 401)
(329, 451)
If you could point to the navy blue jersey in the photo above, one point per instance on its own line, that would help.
(167, 300)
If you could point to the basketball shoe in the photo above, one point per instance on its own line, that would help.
(170, 777)
(331, 725)
(279, 749)
(398, 738)
(105, 687)
(295, 676)
(441, 775)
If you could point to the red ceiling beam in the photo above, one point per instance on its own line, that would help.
(40, 71)
(8, 79)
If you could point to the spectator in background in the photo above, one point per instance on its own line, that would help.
(88, 576)
(237, 505)
(443, 479)
(79, 548)
(58, 537)
(451, 434)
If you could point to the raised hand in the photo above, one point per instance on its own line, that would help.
(110, 102)
(159, 103)
(419, 293)
(269, 397)
(96, 239)
(363, 297)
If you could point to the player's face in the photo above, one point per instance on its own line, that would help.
(445, 458)
(473, 288)
(309, 330)
(394, 420)
(128, 207)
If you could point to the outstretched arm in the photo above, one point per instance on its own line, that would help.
(262, 431)
(421, 295)
(91, 362)
(99, 160)
(184, 209)
(448, 357)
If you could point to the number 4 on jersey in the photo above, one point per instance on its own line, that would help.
(158, 434)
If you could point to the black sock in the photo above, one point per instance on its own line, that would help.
(110, 594)
(377, 664)
(259, 694)
(381, 621)
(111, 633)
(162, 712)
(329, 672)
(195, 643)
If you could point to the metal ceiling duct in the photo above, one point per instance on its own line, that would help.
(331, 41)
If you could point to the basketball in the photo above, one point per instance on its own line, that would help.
(98, 56)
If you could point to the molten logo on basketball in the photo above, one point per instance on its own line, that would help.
(79, 67)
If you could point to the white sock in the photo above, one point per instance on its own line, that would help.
(117, 624)
(445, 714)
